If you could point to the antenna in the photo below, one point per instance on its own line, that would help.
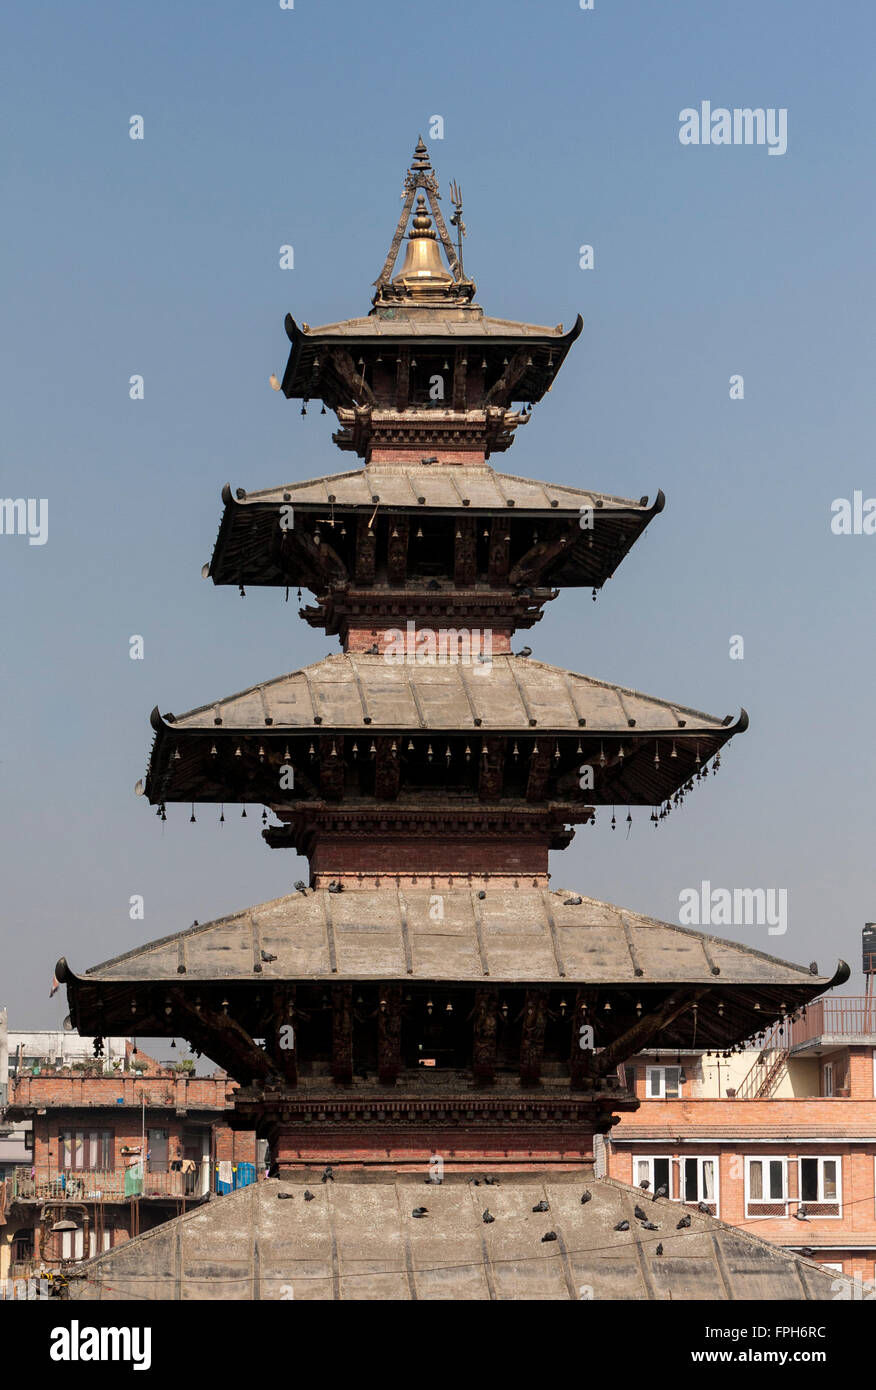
(456, 220)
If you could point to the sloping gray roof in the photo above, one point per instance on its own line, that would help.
(358, 1240)
(510, 935)
(442, 485)
(346, 690)
(432, 323)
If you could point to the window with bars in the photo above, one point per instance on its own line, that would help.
(766, 1186)
(820, 1186)
(85, 1150)
(655, 1171)
(699, 1182)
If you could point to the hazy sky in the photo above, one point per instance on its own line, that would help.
(160, 257)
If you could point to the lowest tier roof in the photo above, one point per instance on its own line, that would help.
(357, 1239)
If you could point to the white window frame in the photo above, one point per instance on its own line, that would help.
(700, 1194)
(650, 1160)
(755, 1202)
(827, 1080)
(821, 1200)
(660, 1093)
(831, 1264)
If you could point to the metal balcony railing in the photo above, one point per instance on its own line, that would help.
(105, 1185)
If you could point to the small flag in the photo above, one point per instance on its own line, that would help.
(55, 986)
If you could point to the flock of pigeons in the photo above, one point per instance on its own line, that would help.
(488, 1218)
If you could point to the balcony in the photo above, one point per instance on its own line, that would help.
(112, 1185)
(842, 1020)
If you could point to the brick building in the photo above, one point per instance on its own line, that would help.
(779, 1139)
(111, 1152)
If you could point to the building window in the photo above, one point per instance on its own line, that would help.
(85, 1149)
(654, 1171)
(827, 1075)
(820, 1186)
(157, 1144)
(766, 1187)
(663, 1083)
(699, 1182)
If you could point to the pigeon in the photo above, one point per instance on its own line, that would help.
(420, 1211)
(706, 1210)
(649, 1226)
(373, 650)
(308, 1195)
(266, 956)
(800, 1214)
(335, 887)
(300, 886)
(481, 894)
(639, 1214)
(328, 1174)
(622, 1226)
(573, 902)
(551, 1235)
(476, 1181)
(487, 1216)
(659, 1250)
(586, 1197)
(683, 1223)
(541, 1206)
(645, 1185)
(524, 651)
(285, 1196)
(661, 1192)
(491, 1181)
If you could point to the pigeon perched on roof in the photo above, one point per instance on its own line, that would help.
(285, 1196)
(328, 1173)
(649, 1226)
(551, 1235)
(622, 1226)
(659, 1250)
(704, 1208)
(420, 1211)
(573, 902)
(491, 1180)
(661, 1192)
(645, 1185)
(638, 1213)
(524, 651)
(683, 1223)
(541, 1206)
(266, 956)
(308, 1195)
(487, 1216)
(300, 886)
(586, 1197)
(801, 1214)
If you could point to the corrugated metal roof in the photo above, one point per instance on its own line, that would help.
(346, 690)
(357, 1239)
(509, 935)
(442, 485)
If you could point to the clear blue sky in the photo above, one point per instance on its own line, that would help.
(160, 257)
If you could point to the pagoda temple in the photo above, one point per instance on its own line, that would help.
(427, 1007)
